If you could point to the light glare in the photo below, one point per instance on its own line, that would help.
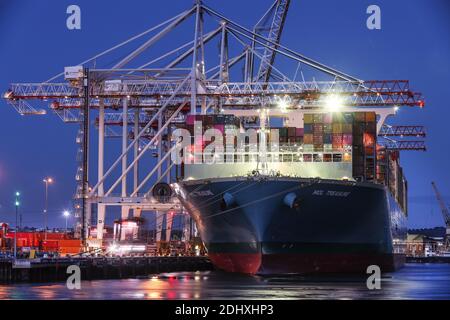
(282, 105)
(334, 103)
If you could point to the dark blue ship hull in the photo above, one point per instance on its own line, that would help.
(292, 225)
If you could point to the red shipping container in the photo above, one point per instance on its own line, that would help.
(70, 243)
(299, 132)
(337, 139)
(190, 119)
(318, 139)
(347, 139)
(368, 140)
(338, 147)
(328, 118)
(54, 236)
(50, 243)
(318, 128)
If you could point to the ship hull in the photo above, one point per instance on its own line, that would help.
(293, 225)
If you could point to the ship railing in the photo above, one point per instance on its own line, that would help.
(282, 156)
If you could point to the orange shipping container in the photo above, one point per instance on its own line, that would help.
(308, 138)
(70, 243)
(69, 250)
(370, 116)
(347, 157)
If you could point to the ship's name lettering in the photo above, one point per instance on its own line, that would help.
(331, 193)
(203, 193)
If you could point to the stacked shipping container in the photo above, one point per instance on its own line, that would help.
(328, 132)
(364, 145)
(219, 122)
(289, 135)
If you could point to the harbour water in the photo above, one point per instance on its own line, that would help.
(414, 281)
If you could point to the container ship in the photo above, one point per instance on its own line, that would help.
(328, 199)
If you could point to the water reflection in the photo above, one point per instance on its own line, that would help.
(415, 281)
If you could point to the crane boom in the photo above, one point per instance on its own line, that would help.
(402, 131)
(280, 10)
(444, 209)
(403, 145)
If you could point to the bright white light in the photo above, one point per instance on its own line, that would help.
(282, 105)
(126, 248)
(8, 94)
(396, 109)
(334, 103)
(66, 213)
(113, 248)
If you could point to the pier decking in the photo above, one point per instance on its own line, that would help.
(53, 270)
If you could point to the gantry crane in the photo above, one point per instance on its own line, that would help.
(445, 214)
(148, 100)
(271, 23)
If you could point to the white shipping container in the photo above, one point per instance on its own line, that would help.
(73, 73)
(113, 85)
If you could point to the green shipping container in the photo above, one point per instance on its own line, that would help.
(347, 128)
(318, 118)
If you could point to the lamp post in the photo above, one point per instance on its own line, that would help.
(17, 203)
(47, 181)
(66, 215)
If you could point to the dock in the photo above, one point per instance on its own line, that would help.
(55, 270)
(434, 259)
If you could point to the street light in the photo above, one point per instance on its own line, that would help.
(17, 203)
(47, 181)
(66, 215)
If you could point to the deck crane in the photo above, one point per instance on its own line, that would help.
(148, 100)
(445, 214)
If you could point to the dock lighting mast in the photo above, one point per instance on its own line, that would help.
(85, 161)
(17, 203)
(445, 214)
(46, 181)
(66, 215)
